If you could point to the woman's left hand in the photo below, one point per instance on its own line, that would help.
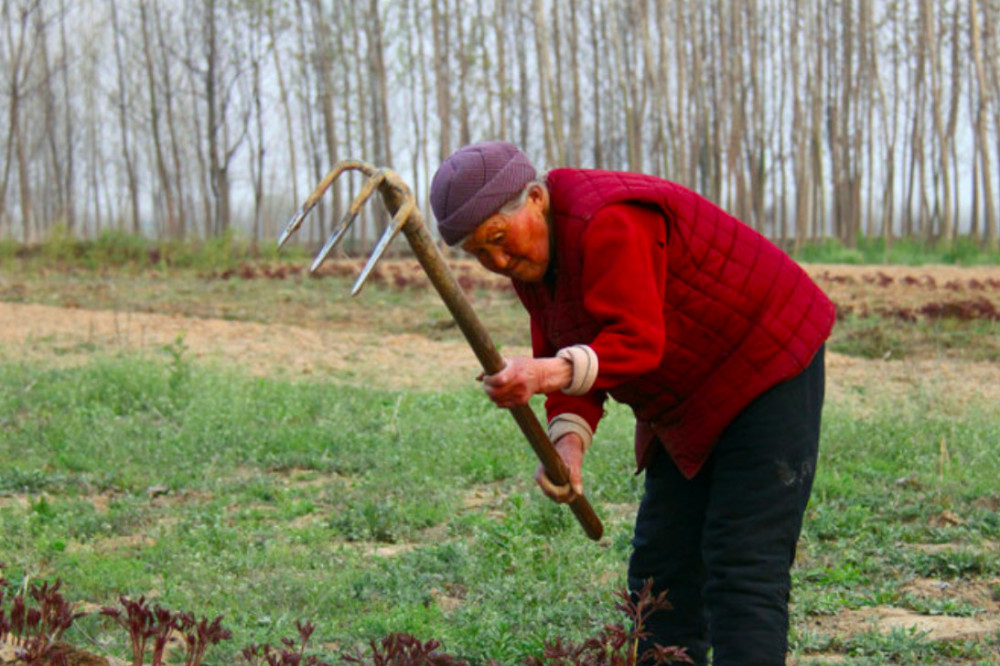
(523, 377)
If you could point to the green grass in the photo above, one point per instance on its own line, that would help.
(874, 337)
(113, 248)
(369, 512)
(121, 250)
(964, 251)
(265, 501)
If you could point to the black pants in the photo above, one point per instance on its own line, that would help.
(723, 543)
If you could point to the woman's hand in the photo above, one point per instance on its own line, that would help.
(523, 377)
(570, 449)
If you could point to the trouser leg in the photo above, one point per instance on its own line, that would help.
(723, 542)
(762, 473)
(667, 549)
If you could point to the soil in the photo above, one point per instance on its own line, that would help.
(69, 336)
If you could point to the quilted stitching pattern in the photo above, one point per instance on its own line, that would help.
(741, 316)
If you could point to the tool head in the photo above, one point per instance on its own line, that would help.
(395, 194)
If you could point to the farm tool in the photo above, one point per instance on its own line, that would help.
(406, 217)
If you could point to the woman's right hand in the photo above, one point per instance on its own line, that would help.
(523, 377)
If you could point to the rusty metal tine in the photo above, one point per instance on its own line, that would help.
(402, 215)
(295, 221)
(364, 194)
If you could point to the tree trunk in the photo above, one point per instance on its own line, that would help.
(576, 119)
(499, 38)
(549, 116)
(69, 196)
(53, 206)
(180, 186)
(154, 117)
(595, 21)
(325, 90)
(439, 25)
(285, 107)
(123, 121)
(464, 133)
(981, 119)
(942, 189)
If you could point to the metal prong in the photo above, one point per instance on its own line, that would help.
(365, 193)
(296, 220)
(292, 226)
(402, 215)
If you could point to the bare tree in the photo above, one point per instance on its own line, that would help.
(69, 156)
(257, 53)
(546, 84)
(802, 117)
(286, 103)
(439, 27)
(942, 190)
(982, 154)
(124, 121)
(154, 116)
(325, 89)
(595, 21)
(52, 188)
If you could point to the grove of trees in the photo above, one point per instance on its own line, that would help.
(806, 118)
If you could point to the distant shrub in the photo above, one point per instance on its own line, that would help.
(964, 251)
(60, 246)
(9, 249)
(117, 248)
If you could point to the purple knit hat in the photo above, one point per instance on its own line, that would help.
(474, 183)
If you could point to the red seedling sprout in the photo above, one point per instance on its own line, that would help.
(615, 645)
(33, 631)
(163, 627)
(138, 620)
(144, 623)
(293, 655)
(404, 650)
(199, 636)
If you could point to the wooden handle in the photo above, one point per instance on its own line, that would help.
(447, 286)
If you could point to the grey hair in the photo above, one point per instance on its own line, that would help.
(517, 203)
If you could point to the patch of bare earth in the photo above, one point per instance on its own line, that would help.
(65, 337)
(885, 619)
(69, 336)
(981, 595)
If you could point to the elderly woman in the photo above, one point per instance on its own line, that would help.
(641, 289)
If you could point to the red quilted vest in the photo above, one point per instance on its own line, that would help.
(740, 315)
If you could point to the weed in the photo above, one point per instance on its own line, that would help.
(403, 650)
(179, 369)
(615, 645)
(293, 654)
(870, 337)
(35, 628)
(157, 623)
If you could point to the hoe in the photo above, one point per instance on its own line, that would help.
(406, 217)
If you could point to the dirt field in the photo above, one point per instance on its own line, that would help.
(66, 336)
(58, 335)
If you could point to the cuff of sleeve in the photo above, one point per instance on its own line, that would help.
(563, 424)
(584, 362)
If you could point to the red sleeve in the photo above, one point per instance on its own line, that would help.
(590, 407)
(624, 277)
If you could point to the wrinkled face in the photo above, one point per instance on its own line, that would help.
(515, 245)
